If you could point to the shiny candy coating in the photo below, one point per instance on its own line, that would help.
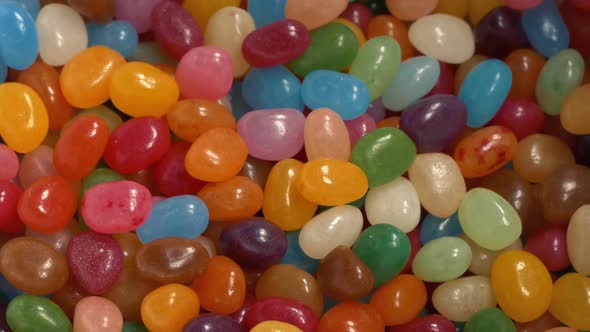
(309, 14)
(174, 29)
(169, 308)
(343, 276)
(353, 316)
(171, 176)
(118, 35)
(36, 313)
(461, 298)
(545, 29)
(20, 41)
(569, 302)
(395, 203)
(190, 118)
(400, 300)
(283, 310)
(97, 313)
(415, 78)
(233, 199)
(325, 135)
(205, 61)
(490, 320)
(443, 259)
(274, 87)
(499, 32)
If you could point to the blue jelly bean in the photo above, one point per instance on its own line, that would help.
(484, 90)
(183, 216)
(3, 72)
(274, 87)
(266, 11)
(545, 28)
(8, 289)
(118, 35)
(19, 43)
(32, 6)
(415, 78)
(296, 256)
(344, 94)
(239, 106)
(434, 227)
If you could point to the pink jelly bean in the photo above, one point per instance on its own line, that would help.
(35, 165)
(95, 260)
(116, 206)
(358, 14)
(522, 4)
(359, 127)
(139, 16)
(94, 313)
(205, 72)
(170, 173)
(274, 134)
(446, 80)
(549, 244)
(175, 30)
(9, 162)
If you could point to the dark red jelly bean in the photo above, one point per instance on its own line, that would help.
(10, 194)
(521, 116)
(170, 173)
(549, 244)
(282, 310)
(174, 29)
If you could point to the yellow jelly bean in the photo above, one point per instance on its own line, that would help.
(452, 7)
(274, 326)
(169, 308)
(358, 33)
(24, 121)
(479, 8)
(202, 10)
(571, 300)
(283, 204)
(331, 182)
(140, 89)
(522, 285)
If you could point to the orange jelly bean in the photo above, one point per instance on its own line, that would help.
(452, 7)
(410, 10)
(332, 182)
(283, 204)
(24, 121)
(479, 8)
(233, 199)
(217, 155)
(485, 151)
(400, 300)
(44, 79)
(222, 287)
(387, 25)
(525, 65)
(352, 316)
(202, 10)
(189, 118)
(169, 308)
(389, 122)
(140, 89)
(570, 302)
(85, 79)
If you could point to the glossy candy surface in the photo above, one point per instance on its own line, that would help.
(169, 308)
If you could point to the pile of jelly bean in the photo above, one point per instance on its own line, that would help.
(294, 165)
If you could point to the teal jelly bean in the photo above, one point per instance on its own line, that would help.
(118, 35)
(442, 259)
(266, 11)
(415, 78)
(434, 227)
(29, 313)
(239, 106)
(296, 256)
(275, 87)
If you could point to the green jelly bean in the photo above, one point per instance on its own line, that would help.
(489, 220)
(385, 249)
(560, 75)
(98, 176)
(489, 320)
(333, 47)
(129, 326)
(377, 64)
(29, 313)
(442, 259)
(384, 155)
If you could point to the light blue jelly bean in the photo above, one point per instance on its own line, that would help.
(118, 35)
(183, 216)
(274, 87)
(32, 6)
(19, 43)
(151, 52)
(3, 72)
(344, 94)
(434, 227)
(296, 256)
(415, 78)
(266, 11)
(239, 107)
(545, 28)
(484, 90)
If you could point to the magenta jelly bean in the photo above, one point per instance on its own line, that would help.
(523, 117)
(171, 176)
(95, 261)
(276, 43)
(137, 144)
(205, 72)
(139, 16)
(175, 30)
(549, 244)
(282, 310)
(116, 206)
(274, 134)
(10, 194)
(9, 162)
(359, 127)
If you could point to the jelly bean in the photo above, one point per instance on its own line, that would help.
(10, 194)
(434, 227)
(100, 11)
(489, 320)
(233, 199)
(290, 282)
(416, 77)
(563, 192)
(180, 216)
(462, 298)
(522, 4)
(569, 302)
(169, 308)
(20, 42)
(57, 240)
(23, 118)
(376, 64)
(128, 292)
(202, 10)
(138, 17)
(352, 316)
(545, 29)
(452, 7)
(359, 14)
(526, 66)
(98, 176)
(396, 203)
(257, 170)
(112, 119)
(275, 326)
(326, 135)
(573, 116)
(560, 76)
(343, 276)
(332, 47)
(283, 310)
(338, 226)
(189, 118)
(443, 37)
(428, 323)
(205, 61)
(36, 313)
(465, 68)
(95, 261)
(31, 6)
(384, 249)
(212, 323)
(500, 27)
(269, 88)
(306, 11)
(131, 93)
(400, 300)
(543, 323)
(296, 256)
(10, 161)
(482, 259)
(521, 116)
(331, 182)
(117, 35)
(522, 285)
(549, 244)
(538, 155)
(33, 266)
(222, 286)
(171, 176)
(577, 231)
(62, 34)
(408, 10)
(360, 127)
(166, 29)
(387, 25)
(575, 20)
(376, 110)
(254, 242)
(273, 134)
(35, 165)
(96, 313)
(442, 259)
(265, 12)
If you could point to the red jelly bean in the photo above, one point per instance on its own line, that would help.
(576, 21)
(10, 194)
(549, 244)
(282, 310)
(137, 144)
(415, 245)
(429, 323)
(171, 176)
(174, 29)
(446, 80)
(523, 117)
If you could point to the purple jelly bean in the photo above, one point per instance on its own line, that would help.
(359, 127)
(175, 30)
(376, 110)
(212, 323)
(499, 33)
